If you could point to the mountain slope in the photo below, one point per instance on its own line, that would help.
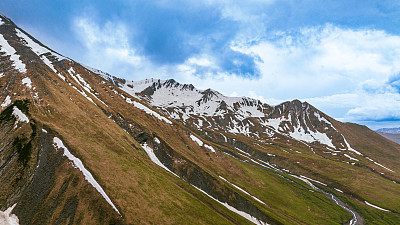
(80, 148)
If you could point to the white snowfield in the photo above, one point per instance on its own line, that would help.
(8, 50)
(6, 102)
(1, 22)
(21, 117)
(7, 218)
(312, 136)
(194, 101)
(299, 133)
(233, 209)
(77, 163)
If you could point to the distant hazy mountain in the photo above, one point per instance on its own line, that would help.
(392, 134)
(390, 130)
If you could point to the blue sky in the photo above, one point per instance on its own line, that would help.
(341, 56)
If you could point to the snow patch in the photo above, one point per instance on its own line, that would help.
(247, 193)
(383, 166)
(311, 136)
(40, 51)
(35, 47)
(209, 147)
(274, 123)
(320, 118)
(197, 140)
(231, 208)
(338, 190)
(21, 117)
(6, 102)
(84, 94)
(147, 110)
(157, 140)
(77, 163)
(153, 157)
(299, 133)
(349, 147)
(17, 63)
(27, 81)
(84, 85)
(376, 207)
(351, 158)
(7, 218)
(1, 22)
(50, 65)
(379, 164)
(225, 139)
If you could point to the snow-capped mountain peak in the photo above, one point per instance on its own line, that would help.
(209, 109)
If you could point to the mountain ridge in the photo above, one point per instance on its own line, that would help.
(146, 89)
(392, 134)
(390, 130)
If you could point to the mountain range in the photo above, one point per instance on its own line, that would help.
(392, 134)
(81, 146)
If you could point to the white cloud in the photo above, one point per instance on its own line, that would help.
(376, 107)
(342, 71)
(201, 61)
(326, 60)
(107, 45)
(361, 105)
(233, 94)
(253, 94)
